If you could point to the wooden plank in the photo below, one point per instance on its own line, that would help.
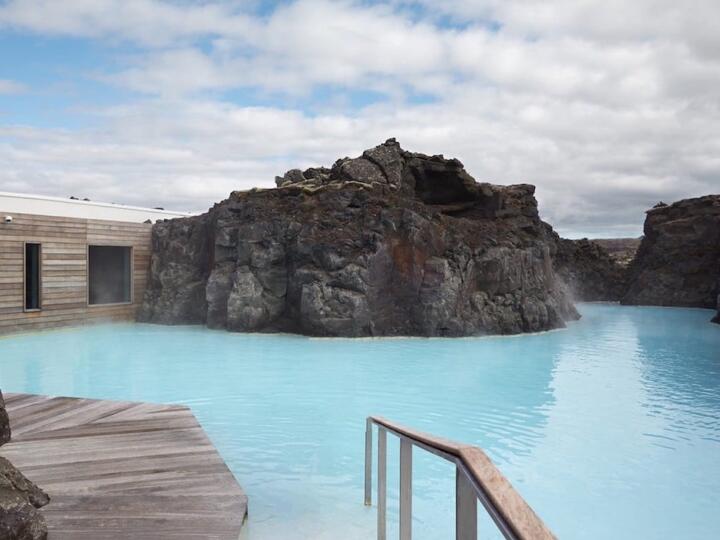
(37, 217)
(8, 286)
(58, 305)
(41, 314)
(64, 259)
(49, 283)
(37, 326)
(61, 299)
(117, 470)
(67, 255)
(65, 277)
(50, 235)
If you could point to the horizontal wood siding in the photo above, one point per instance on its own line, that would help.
(64, 269)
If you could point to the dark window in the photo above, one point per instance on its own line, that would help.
(109, 275)
(32, 276)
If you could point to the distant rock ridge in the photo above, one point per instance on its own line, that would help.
(623, 250)
(389, 243)
(588, 270)
(678, 262)
(19, 497)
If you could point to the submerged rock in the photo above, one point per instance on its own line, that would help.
(389, 243)
(678, 262)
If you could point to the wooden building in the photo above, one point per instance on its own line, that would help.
(68, 262)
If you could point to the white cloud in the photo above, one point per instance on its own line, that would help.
(148, 22)
(606, 106)
(11, 87)
(693, 21)
(187, 154)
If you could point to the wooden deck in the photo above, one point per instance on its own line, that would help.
(121, 470)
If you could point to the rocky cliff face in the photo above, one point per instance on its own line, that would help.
(19, 497)
(678, 262)
(589, 271)
(389, 243)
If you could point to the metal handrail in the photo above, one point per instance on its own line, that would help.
(476, 478)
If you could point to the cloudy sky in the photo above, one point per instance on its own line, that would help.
(607, 106)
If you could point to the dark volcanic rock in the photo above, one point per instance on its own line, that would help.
(19, 501)
(11, 478)
(589, 271)
(4, 422)
(176, 291)
(678, 263)
(623, 250)
(19, 497)
(390, 243)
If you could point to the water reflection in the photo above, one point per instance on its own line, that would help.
(680, 359)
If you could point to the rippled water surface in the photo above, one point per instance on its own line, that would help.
(610, 429)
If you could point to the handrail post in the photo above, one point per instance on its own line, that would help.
(465, 507)
(477, 480)
(405, 489)
(382, 484)
(368, 462)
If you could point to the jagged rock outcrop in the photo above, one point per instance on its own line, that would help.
(179, 274)
(678, 262)
(389, 243)
(588, 270)
(19, 503)
(19, 497)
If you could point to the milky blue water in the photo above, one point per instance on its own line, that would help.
(610, 429)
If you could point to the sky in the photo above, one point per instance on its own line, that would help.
(606, 106)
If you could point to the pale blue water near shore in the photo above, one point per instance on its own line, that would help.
(610, 429)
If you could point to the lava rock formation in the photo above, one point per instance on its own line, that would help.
(678, 262)
(389, 243)
(588, 270)
(19, 497)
